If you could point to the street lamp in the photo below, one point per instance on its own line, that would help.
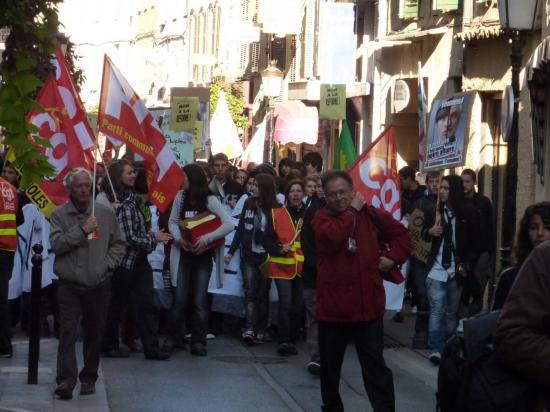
(272, 79)
(516, 17)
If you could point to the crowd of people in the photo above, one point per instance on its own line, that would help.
(123, 270)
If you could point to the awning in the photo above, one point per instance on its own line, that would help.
(296, 123)
(413, 34)
(480, 33)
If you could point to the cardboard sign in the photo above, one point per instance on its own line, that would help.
(184, 112)
(181, 143)
(448, 132)
(332, 104)
(420, 248)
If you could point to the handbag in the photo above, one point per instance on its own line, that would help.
(201, 224)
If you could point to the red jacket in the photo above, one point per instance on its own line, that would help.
(349, 285)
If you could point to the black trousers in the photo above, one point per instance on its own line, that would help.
(368, 338)
(91, 304)
(133, 289)
(6, 267)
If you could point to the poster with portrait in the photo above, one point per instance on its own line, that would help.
(448, 131)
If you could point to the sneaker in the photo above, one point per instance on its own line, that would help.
(64, 391)
(87, 388)
(287, 348)
(187, 337)
(414, 310)
(314, 367)
(198, 349)
(210, 336)
(6, 355)
(249, 337)
(435, 358)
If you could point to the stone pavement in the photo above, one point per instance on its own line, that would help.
(232, 378)
(18, 396)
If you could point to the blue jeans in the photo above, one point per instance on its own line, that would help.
(291, 300)
(193, 277)
(444, 298)
(256, 291)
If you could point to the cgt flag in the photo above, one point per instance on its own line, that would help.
(123, 116)
(375, 175)
(59, 124)
(75, 109)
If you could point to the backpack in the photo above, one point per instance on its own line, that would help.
(472, 379)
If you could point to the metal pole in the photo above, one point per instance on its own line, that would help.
(271, 127)
(34, 327)
(509, 214)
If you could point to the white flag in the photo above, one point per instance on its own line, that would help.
(223, 132)
(254, 152)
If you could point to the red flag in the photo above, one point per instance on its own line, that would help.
(75, 109)
(66, 153)
(123, 116)
(375, 174)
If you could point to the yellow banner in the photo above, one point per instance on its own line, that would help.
(332, 103)
(34, 192)
(184, 113)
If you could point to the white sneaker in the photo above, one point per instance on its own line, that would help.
(210, 336)
(435, 358)
(414, 310)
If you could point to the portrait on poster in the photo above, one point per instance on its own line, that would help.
(448, 131)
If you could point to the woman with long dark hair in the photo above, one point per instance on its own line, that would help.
(132, 282)
(252, 222)
(282, 242)
(191, 264)
(534, 229)
(452, 231)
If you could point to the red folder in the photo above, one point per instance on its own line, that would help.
(200, 225)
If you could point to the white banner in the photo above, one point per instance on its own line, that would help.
(337, 43)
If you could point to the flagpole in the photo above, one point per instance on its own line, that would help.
(106, 169)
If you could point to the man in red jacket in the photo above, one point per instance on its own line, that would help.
(350, 292)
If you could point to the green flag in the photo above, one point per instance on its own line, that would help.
(345, 149)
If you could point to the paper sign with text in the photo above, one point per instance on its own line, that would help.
(332, 104)
(184, 112)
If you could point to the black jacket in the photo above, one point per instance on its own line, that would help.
(466, 249)
(309, 272)
(249, 229)
(484, 209)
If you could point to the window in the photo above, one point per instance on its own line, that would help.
(446, 5)
(409, 9)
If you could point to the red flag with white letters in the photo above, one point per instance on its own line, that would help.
(123, 116)
(56, 124)
(75, 109)
(375, 174)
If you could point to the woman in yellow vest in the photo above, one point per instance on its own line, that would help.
(282, 242)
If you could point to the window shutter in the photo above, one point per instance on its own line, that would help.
(447, 5)
(243, 58)
(309, 41)
(254, 56)
(409, 9)
(293, 60)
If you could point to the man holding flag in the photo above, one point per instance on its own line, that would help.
(350, 293)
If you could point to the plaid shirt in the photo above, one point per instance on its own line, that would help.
(132, 224)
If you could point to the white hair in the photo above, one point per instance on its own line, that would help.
(68, 180)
